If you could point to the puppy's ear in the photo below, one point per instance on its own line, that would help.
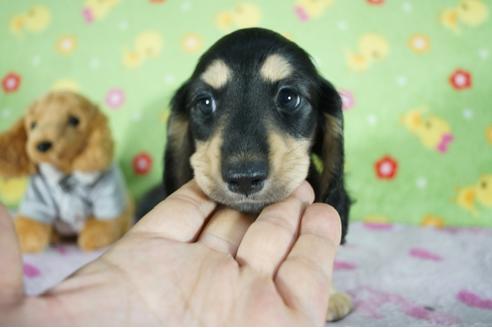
(97, 154)
(14, 159)
(328, 145)
(328, 149)
(180, 145)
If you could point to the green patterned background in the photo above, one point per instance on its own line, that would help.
(415, 76)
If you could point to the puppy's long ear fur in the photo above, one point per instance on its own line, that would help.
(97, 154)
(180, 145)
(328, 146)
(14, 160)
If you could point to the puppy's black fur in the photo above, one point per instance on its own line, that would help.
(301, 107)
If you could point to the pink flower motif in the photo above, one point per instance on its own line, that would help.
(424, 254)
(301, 13)
(378, 226)
(11, 82)
(343, 265)
(142, 163)
(460, 79)
(62, 250)
(115, 98)
(386, 168)
(446, 140)
(474, 300)
(88, 15)
(348, 100)
(375, 2)
(31, 271)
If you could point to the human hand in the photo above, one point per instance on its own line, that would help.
(189, 262)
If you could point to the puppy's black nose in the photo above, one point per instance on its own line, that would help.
(44, 146)
(245, 177)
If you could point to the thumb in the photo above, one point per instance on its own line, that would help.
(11, 279)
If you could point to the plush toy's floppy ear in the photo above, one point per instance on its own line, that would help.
(328, 148)
(97, 155)
(180, 145)
(14, 160)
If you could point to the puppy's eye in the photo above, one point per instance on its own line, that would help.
(33, 125)
(206, 104)
(73, 121)
(288, 100)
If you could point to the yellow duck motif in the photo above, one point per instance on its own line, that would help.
(480, 192)
(431, 220)
(371, 48)
(36, 19)
(12, 190)
(434, 132)
(242, 15)
(66, 84)
(309, 9)
(97, 9)
(147, 45)
(376, 218)
(488, 134)
(468, 12)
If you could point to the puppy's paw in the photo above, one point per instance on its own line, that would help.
(97, 234)
(339, 306)
(34, 236)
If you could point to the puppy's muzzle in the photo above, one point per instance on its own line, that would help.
(44, 146)
(245, 178)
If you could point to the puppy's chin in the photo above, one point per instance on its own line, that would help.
(252, 204)
(247, 207)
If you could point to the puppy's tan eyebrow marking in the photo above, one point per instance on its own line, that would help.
(275, 68)
(217, 74)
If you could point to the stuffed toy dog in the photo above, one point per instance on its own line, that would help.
(64, 144)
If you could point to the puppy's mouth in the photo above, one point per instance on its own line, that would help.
(253, 203)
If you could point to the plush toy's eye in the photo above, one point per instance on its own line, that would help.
(288, 100)
(206, 104)
(73, 121)
(33, 125)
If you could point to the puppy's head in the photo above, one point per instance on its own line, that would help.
(248, 120)
(63, 129)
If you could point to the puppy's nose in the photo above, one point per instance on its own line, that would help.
(44, 146)
(245, 178)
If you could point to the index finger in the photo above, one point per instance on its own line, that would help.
(180, 216)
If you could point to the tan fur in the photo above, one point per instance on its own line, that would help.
(14, 160)
(339, 306)
(34, 236)
(100, 233)
(98, 152)
(176, 137)
(330, 150)
(217, 74)
(275, 68)
(289, 162)
(206, 163)
(87, 147)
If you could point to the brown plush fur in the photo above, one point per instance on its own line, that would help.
(88, 147)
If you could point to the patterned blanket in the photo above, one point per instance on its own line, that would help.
(398, 275)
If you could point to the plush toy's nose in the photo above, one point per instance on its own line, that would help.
(44, 146)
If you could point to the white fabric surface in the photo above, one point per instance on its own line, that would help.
(397, 275)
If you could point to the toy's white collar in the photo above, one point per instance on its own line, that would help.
(54, 176)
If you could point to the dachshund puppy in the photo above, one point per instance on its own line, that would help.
(253, 121)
